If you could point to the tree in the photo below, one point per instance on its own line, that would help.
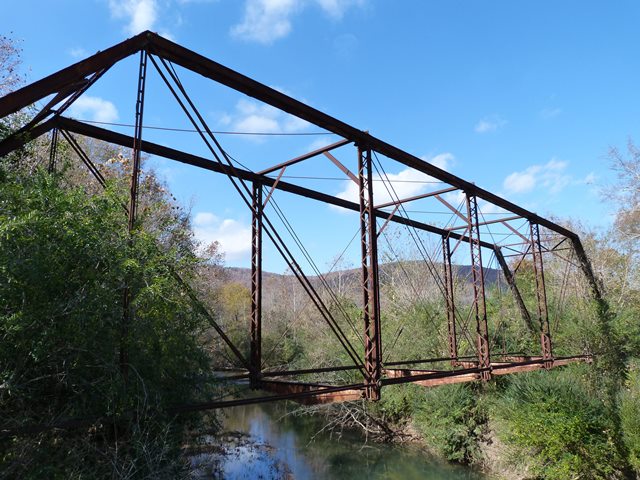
(63, 257)
(626, 192)
(10, 61)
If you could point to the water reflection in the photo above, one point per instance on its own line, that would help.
(267, 442)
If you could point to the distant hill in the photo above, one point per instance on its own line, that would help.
(347, 282)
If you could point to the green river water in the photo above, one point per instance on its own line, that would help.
(267, 442)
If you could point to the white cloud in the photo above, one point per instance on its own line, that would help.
(140, 14)
(95, 108)
(266, 21)
(319, 143)
(520, 182)
(550, 176)
(234, 236)
(167, 35)
(487, 208)
(77, 52)
(455, 198)
(406, 183)
(337, 8)
(547, 113)
(345, 46)
(590, 179)
(255, 117)
(490, 124)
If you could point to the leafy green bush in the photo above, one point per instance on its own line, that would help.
(630, 415)
(398, 402)
(64, 256)
(563, 429)
(453, 421)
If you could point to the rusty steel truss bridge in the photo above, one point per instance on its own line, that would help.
(61, 89)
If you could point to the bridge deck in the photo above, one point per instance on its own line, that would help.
(318, 393)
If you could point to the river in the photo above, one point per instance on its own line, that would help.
(267, 442)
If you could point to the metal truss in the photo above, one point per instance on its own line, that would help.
(256, 188)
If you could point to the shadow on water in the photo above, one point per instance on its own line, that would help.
(267, 442)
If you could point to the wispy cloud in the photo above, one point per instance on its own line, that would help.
(234, 236)
(406, 183)
(140, 15)
(487, 208)
(320, 142)
(94, 108)
(590, 179)
(167, 35)
(255, 117)
(266, 21)
(77, 52)
(345, 46)
(551, 176)
(550, 112)
(337, 8)
(490, 124)
(186, 2)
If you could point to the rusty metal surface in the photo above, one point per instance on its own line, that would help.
(71, 75)
(68, 84)
(417, 197)
(479, 301)
(509, 277)
(541, 294)
(256, 286)
(370, 280)
(166, 152)
(322, 394)
(449, 294)
(306, 156)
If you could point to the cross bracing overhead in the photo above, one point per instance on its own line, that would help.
(470, 218)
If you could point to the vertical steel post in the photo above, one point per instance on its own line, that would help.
(53, 150)
(449, 300)
(256, 287)
(511, 281)
(137, 140)
(133, 201)
(370, 284)
(541, 295)
(479, 303)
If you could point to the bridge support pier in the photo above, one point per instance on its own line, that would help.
(449, 300)
(541, 295)
(255, 359)
(479, 302)
(370, 283)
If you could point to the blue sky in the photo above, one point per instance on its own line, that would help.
(522, 98)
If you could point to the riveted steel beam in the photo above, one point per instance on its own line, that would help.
(541, 295)
(370, 280)
(256, 286)
(479, 302)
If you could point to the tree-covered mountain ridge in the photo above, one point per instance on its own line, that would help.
(348, 281)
